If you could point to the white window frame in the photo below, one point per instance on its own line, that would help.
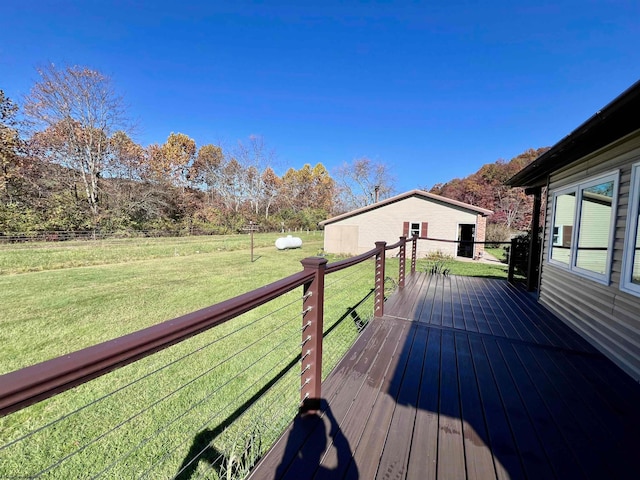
(411, 228)
(631, 234)
(557, 193)
(578, 188)
(559, 235)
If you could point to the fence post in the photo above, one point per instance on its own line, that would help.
(512, 261)
(379, 305)
(312, 320)
(414, 254)
(403, 260)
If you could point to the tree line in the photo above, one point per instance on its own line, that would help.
(487, 188)
(68, 161)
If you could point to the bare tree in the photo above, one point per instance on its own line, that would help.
(254, 158)
(79, 111)
(361, 182)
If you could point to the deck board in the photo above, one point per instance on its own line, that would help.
(466, 378)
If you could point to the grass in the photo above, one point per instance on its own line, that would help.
(43, 256)
(128, 290)
(209, 391)
(225, 394)
(500, 253)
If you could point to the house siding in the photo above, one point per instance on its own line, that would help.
(608, 317)
(388, 222)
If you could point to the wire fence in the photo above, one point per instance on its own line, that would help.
(88, 235)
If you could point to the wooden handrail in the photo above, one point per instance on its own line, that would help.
(32, 384)
(35, 383)
(350, 262)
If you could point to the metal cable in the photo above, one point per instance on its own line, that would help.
(103, 435)
(93, 402)
(228, 404)
(206, 372)
(273, 417)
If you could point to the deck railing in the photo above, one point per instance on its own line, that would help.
(33, 384)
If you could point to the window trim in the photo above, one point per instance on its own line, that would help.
(411, 223)
(631, 230)
(552, 261)
(578, 189)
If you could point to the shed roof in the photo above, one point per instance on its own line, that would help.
(413, 193)
(614, 121)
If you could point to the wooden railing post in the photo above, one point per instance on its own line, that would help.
(512, 260)
(403, 261)
(380, 257)
(312, 320)
(414, 254)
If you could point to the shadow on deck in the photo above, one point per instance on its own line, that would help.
(466, 378)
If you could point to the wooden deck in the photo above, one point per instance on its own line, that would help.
(466, 378)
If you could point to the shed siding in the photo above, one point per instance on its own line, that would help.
(605, 315)
(388, 223)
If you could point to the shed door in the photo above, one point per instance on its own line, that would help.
(466, 236)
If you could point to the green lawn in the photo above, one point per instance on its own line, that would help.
(203, 383)
(500, 253)
(206, 391)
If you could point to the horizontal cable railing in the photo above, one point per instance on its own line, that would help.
(161, 404)
(210, 390)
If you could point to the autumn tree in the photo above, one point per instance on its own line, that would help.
(79, 110)
(308, 194)
(128, 159)
(10, 146)
(272, 187)
(206, 169)
(487, 188)
(359, 182)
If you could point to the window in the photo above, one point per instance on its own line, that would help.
(564, 214)
(409, 229)
(630, 281)
(583, 225)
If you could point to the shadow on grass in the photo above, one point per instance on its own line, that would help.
(202, 448)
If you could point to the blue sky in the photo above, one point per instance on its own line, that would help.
(433, 89)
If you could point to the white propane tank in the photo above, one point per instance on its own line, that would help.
(288, 242)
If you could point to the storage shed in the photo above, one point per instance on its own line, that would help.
(590, 256)
(452, 225)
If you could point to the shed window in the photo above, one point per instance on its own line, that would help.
(414, 229)
(583, 221)
(631, 260)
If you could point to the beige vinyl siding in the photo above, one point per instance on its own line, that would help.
(386, 224)
(608, 317)
(341, 239)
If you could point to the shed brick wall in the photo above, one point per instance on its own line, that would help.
(481, 235)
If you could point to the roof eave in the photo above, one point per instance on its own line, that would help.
(614, 121)
(402, 196)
